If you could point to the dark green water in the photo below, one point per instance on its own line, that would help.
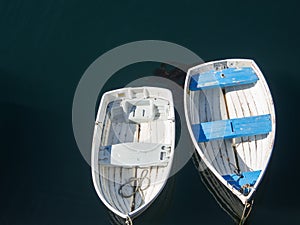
(45, 47)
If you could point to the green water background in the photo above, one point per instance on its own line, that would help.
(45, 47)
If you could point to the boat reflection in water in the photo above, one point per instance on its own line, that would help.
(228, 201)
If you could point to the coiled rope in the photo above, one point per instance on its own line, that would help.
(236, 170)
(137, 186)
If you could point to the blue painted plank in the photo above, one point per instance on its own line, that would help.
(233, 128)
(240, 182)
(223, 78)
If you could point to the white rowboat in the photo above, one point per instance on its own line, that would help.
(231, 119)
(133, 148)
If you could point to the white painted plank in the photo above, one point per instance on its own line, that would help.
(262, 108)
(252, 139)
(235, 111)
(115, 197)
(142, 196)
(268, 143)
(127, 173)
(152, 176)
(105, 185)
(117, 184)
(203, 107)
(219, 112)
(212, 111)
(245, 113)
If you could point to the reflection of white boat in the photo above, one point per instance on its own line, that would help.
(133, 148)
(231, 119)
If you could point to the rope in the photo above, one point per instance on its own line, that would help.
(243, 217)
(128, 220)
(236, 170)
(137, 187)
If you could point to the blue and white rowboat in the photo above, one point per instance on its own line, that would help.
(231, 119)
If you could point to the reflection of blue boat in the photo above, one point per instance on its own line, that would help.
(231, 120)
(224, 197)
(133, 148)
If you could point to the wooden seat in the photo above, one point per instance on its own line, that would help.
(223, 78)
(233, 128)
(244, 181)
(135, 154)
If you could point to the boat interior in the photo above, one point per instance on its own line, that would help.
(136, 133)
(135, 150)
(232, 119)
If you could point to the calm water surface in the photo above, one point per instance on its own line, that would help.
(45, 47)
